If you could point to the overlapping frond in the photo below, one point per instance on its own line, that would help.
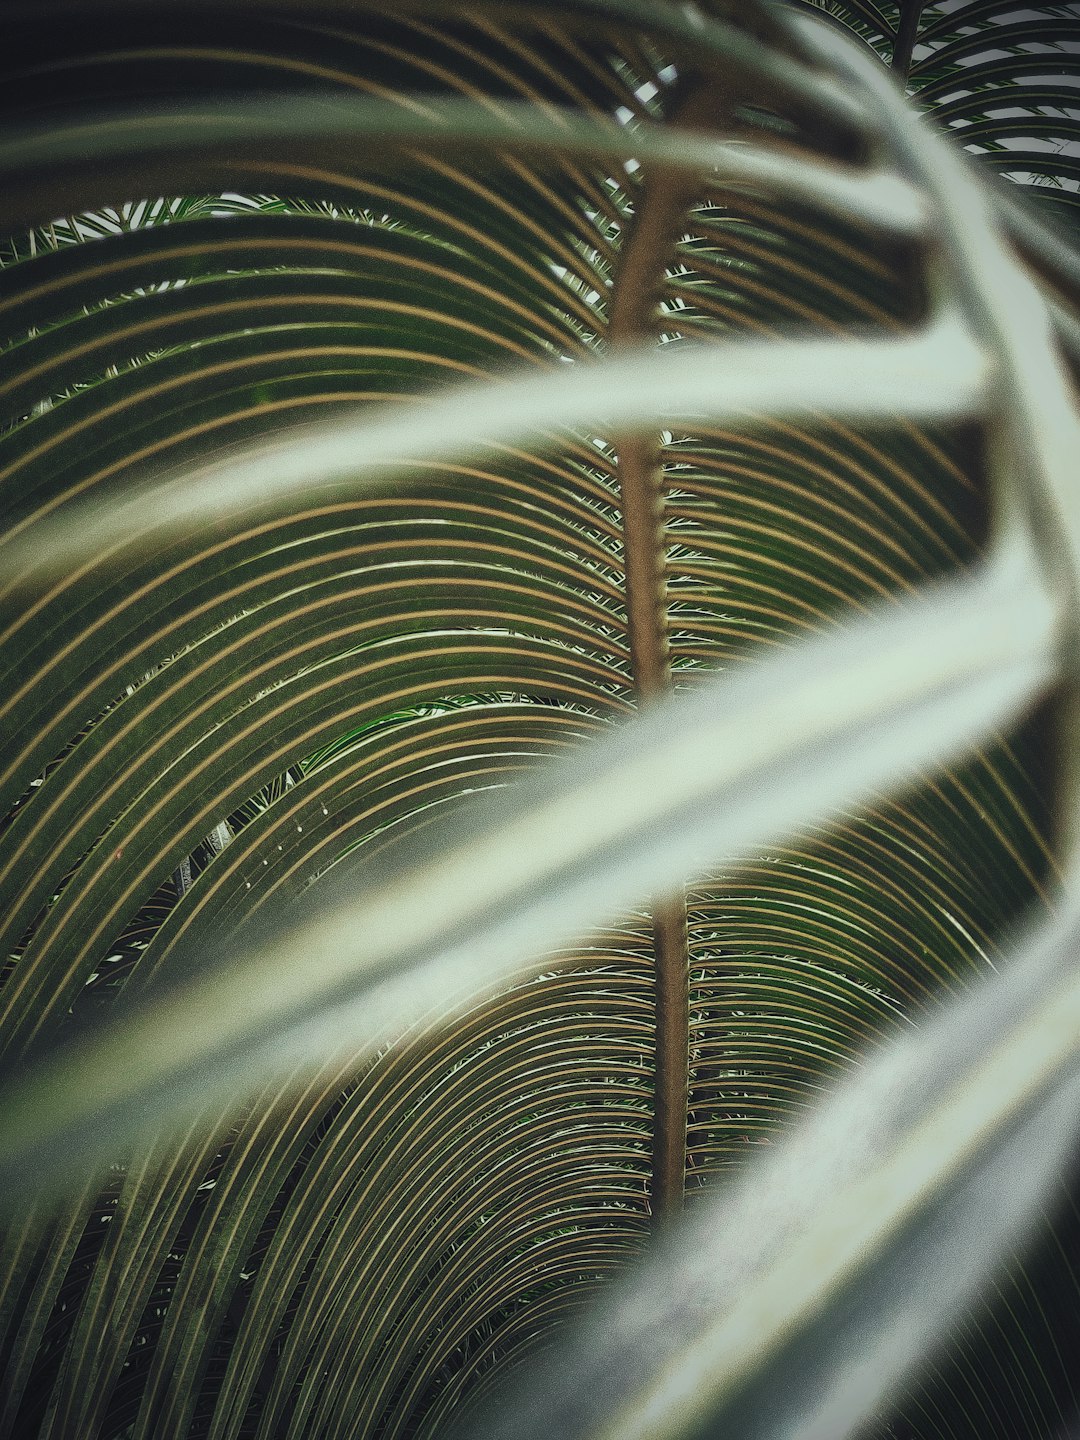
(244, 235)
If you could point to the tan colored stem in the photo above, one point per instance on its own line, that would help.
(649, 248)
(906, 34)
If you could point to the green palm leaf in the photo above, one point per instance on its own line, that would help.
(394, 405)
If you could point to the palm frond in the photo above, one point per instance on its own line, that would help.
(395, 405)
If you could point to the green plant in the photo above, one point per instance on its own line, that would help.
(506, 370)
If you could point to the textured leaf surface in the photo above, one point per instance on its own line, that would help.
(251, 660)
